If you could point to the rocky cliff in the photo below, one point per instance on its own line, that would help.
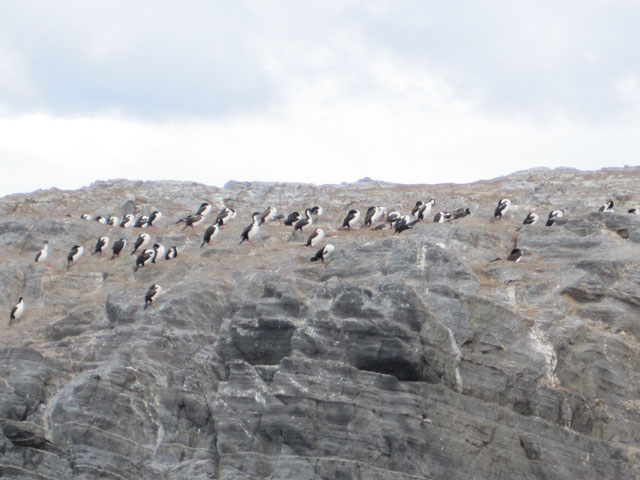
(405, 356)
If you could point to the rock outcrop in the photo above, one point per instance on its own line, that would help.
(419, 355)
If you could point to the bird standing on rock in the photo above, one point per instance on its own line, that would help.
(515, 255)
(74, 254)
(553, 217)
(192, 220)
(153, 218)
(291, 219)
(142, 241)
(304, 223)
(252, 229)
(324, 253)
(442, 217)
(315, 237)
(211, 232)
(17, 311)
(405, 223)
(151, 295)
(145, 257)
(460, 213)
(158, 252)
(127, 221)
(531, 219)
(225, 215)
(204, 209)
(350, 220)
(118, 246)
(501, 209)
(42, 255)
(607, 207)
(393, 217)
(268, 215)
(141, 222)
(101, 244)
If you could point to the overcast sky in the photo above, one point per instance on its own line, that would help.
(315, 91)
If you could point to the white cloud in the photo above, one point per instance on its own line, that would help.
(629, 88)
(421, 131)
(313, 91)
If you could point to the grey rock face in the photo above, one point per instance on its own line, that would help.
(419, 355)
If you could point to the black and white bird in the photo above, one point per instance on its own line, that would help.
(292, 219)
(635, 210)
(460, 213)
(153, 218)
(141, 222)
(74, 254)
(17, 311)
(392, 217)
(268, 215)
(204, 209)
(42, 255)
(252, 229)
(304, 223)
(350, 220)
(86, 216)
(113, 221)
(211, 232)
(379, 214)
(405, 223)
(128, 221)
(531, 218)
(225, 215)
(151, 295)
(515, 255)
(101, 219)
(442, 217)
(141, 242)
(171, 253)
(316, 236)
(501, 209)
(368, 216)
(324, 253)
(101, 245)
(158, 252)
(145, 257)
(607, 207)
(192, 220)
(422, 209)
(316, 210)
(118, 247)
(553, 216)
(373, 215)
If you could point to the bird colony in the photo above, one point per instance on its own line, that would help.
(306, 230)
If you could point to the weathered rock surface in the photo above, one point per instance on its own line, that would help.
(404, 357)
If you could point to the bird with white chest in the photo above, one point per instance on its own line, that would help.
(351, 219)
(74, 254)
(251, 230)
(501, 208)
(101, 245)
(151, 295)
(141, 243)
(42, 255)
(17, 311)
(316, 236)
(144, 258)
(324, 253)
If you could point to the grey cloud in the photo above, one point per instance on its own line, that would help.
(209, 59)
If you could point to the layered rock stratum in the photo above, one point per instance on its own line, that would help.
(411, 356)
